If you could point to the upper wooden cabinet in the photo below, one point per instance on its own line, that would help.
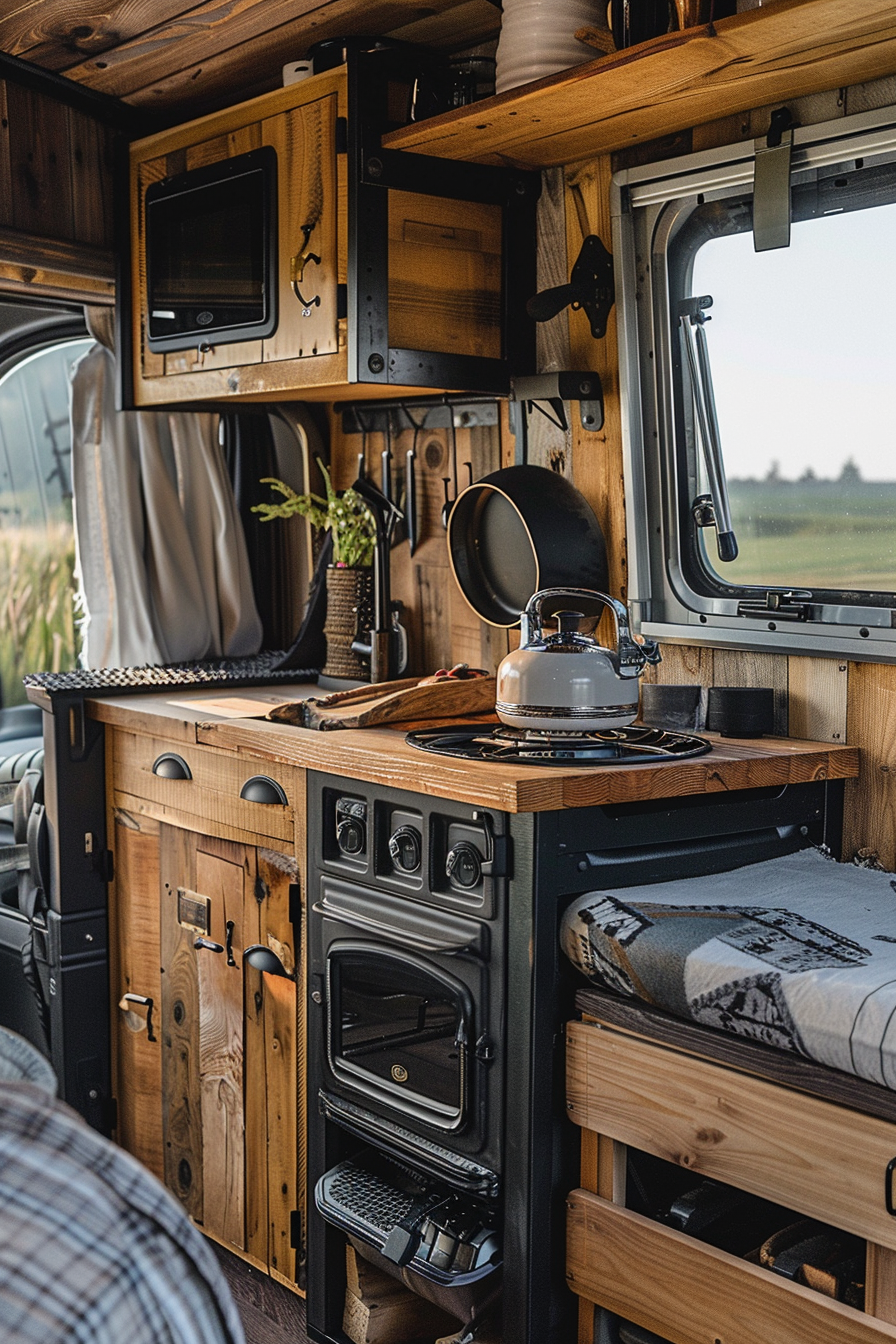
(390, 274)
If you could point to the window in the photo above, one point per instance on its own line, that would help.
(37, 627)
(800, 348)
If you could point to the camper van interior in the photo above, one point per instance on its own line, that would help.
(447, 745)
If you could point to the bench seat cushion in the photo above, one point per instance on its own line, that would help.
(798, 953)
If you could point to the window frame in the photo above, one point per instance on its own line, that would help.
(649, 206)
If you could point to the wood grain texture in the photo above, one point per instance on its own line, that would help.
(597, 456)
(776, 1066)
(381, 755)
(254, 1071)
(281, 1047)
(686, 1291)
(196, 56)
(212, 795)
(670, 83)
(35, 252)
(871, 726)
(135, 901)
(822, 1160)
(880, 1282)
(305, 141)
(39, 163)
(221, 1052)
(181, 1106)
(817, 697)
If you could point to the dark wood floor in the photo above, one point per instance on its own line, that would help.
(270, 1313)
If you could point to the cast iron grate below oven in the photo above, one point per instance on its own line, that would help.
(368, 1198)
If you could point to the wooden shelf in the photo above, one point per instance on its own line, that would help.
(764, 56)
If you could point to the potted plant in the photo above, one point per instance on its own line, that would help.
(349, 577)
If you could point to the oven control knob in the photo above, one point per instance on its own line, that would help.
(351, 826)
(406, 849)
(464, 865)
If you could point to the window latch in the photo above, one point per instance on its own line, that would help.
(792, 605)
(713, 509)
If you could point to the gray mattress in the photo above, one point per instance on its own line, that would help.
(798, 952)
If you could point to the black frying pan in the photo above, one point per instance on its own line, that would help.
(518, 530)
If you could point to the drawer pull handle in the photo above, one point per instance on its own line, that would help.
(171, 766)
(208, 945)
(263, 789)
(127, 1003)
(888, 1187)
(262, 958)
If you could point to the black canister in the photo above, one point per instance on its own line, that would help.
(741, 711)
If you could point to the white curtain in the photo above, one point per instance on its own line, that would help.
(161, 558)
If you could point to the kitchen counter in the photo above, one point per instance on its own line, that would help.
(381, 755)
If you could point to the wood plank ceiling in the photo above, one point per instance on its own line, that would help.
(179, 60)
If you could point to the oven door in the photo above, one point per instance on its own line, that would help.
(399, 1031)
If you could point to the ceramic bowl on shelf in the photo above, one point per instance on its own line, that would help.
(538, 38)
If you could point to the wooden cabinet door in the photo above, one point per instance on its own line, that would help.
(229, 1043)
(137, 990)
(203, 903)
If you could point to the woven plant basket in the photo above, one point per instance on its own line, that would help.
(349, 612)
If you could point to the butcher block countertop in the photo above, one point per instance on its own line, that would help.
(381, 755)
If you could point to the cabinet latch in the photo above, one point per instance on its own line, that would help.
(295, 905)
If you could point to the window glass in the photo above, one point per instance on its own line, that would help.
(37, 626)
(802, 348)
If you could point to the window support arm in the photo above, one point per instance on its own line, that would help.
(693, 318)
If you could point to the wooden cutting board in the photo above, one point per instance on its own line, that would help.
(392, 702)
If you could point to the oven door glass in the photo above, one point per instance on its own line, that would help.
(399, 1031)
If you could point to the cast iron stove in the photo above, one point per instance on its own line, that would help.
(517, 746)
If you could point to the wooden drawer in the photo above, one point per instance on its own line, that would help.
(690, 1293)
(813, 1156)
(211, 798)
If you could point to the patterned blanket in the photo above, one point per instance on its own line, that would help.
(798, 952)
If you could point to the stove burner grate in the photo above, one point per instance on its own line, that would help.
(516, 746)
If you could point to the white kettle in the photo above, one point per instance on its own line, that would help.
(567, 682)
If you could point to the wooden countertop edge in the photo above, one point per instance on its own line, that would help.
(380, 756)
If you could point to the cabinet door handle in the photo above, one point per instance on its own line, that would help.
(127, 1003)
(297, 266)
(228, 941)
(263, 789)
(208, 945)
(171, 766)
(262, 958)
(888, 1187)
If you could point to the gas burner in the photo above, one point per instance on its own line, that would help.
(516, 746)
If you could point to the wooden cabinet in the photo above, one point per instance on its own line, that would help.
(390, 279)
(819, 1158)
(208, 1048)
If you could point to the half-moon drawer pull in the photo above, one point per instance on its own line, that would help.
(263, 789)
(171, 766)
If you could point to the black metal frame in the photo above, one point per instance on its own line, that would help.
(556, 856)
(80, 871)
(372, 172)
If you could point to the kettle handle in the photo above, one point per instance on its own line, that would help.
(631, 655)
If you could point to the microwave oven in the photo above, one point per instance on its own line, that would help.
(211, 253)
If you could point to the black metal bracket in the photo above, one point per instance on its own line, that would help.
(591, 286)
(583, 386)
(792, 605)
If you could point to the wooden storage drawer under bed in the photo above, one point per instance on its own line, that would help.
(720, 1109)
(691, 1293)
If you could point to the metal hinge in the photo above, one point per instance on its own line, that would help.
(296, 1230)
(788, 606)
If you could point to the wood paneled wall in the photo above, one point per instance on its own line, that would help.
(825, 699)
(55, 199)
